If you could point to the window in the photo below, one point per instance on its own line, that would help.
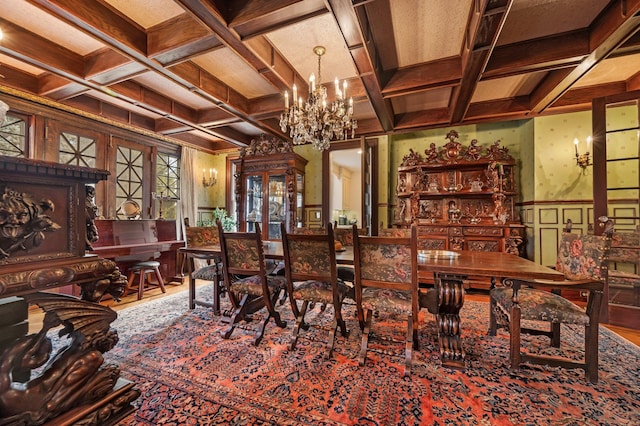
(13, 136)
(167, 186)
(77, 150)
(129, 177)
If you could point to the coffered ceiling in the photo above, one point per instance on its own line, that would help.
(212, 72)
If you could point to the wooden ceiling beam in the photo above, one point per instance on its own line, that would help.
(359, 36)
(436, 74)
(485, 24)
(42, 53)
(19, 79)
(257, 53)
(94, 17)
(538, 55)
(258, 17)
(618, 22)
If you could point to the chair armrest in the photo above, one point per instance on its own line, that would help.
(566, 284)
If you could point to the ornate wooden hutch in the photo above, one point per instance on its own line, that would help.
(462, 197)
(270, 187)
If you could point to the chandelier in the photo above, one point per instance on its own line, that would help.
(317, 121)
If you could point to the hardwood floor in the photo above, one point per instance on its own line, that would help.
(35, 317)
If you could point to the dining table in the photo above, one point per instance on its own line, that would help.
(446, 269)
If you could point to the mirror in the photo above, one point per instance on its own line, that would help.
(345, 187)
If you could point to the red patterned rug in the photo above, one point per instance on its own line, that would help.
(189, 375)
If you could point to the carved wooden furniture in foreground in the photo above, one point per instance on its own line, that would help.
(46, 223)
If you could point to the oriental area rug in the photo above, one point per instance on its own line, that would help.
(189, 375)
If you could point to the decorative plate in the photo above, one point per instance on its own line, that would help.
(437, 254)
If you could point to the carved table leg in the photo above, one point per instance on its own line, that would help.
(450, 299)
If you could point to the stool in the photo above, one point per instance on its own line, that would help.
(143, 269)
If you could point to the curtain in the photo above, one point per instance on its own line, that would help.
(188, 195)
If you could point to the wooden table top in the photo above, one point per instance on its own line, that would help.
(476, 263)
(489, 264)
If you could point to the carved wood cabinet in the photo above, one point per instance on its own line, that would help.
(46, 224)
(462, 197)
(270, 187)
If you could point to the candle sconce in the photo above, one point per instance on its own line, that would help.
(583, 160)
(212, 180)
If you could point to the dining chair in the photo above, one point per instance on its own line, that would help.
(583, 259)
(205, 267)
(386, 286)
(312, 277)
(248, 285)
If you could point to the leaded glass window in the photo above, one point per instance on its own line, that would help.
(77, 150)
(167, 185)
(13, 136)
(129, 177)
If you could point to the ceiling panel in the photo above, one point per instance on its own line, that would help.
(41, 23)
(296, 43)
(147, 13)
(172, 90)
(431, 99)
(508, 87)
(235, 72)
(541, 18)
(440, 26)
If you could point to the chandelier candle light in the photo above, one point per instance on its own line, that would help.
(316, 121)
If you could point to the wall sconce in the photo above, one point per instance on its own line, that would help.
(583, 160)
(213, 178)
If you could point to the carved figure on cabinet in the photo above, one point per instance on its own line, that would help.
(499, 214)
(431, 153)
(473, 152)
(415, 206)
(452, 148)
(23, 221)
(453, 212)
(457, 243)
(412, 158)
(402, 184)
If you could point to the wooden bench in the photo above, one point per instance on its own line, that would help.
(623, 278)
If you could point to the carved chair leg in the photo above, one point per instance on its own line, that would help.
(299, 324)
(514, 336)
(238, 315)
(275, 314)
(493, 322)
(365, 337)
(408, 347)
(555, 334)
(332, 338)
(591, 352)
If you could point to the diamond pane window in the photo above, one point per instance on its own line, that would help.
(77, 150)
(129, 173)
(167, 186)
(13, 136)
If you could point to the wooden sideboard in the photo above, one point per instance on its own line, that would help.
(462, 198)
(46, 222)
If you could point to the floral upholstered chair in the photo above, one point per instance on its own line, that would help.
(583, 259)
(206, 267)
(249, 286)
(312, 277)
(386, 284)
